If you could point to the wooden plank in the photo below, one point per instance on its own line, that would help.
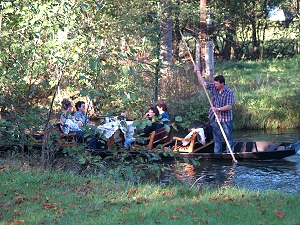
(203, 146)
(273, 147)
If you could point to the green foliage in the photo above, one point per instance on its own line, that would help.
(195, 108)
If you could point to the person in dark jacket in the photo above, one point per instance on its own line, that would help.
(152, 112)
(152, 125)
(163, 115)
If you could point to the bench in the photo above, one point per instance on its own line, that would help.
(65, 140)
(159, 137)
(188, 148)
(162, 137)
(191, 147)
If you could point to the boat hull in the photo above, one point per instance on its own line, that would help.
(241, 156)
(242, 151)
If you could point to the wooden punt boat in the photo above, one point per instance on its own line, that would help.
(246, 151)
(242, 151)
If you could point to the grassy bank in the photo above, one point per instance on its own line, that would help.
(266, 94)
(32, 197)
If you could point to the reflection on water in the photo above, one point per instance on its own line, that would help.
(282, 175)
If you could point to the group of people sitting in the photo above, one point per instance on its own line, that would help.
(69, 123)
(155, 119)
(158, 117)
(75, 123)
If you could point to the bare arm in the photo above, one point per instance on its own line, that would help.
(200, 78)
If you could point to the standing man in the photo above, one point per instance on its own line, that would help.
(222, 101)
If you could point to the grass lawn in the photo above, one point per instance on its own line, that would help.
(51, 197)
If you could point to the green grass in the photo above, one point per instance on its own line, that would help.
(266, 92)
(51, 197)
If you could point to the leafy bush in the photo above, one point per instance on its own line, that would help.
(195, 108)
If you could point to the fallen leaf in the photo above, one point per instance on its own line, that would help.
(19, 221)
(173, 217)
(72, 206)
(47, 206)
(130, 191)
(218, 212)
(46, 183)
(18, 201)
(17, 211)
(139, 197)
(279, 214)
(60, 210)
(228, 198)
(168, 193)
(206, 211)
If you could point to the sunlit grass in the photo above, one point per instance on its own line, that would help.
(265, 91)
(33, 197)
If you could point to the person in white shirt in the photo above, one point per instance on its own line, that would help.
(69, 124)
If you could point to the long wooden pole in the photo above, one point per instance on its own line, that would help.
(211, 105)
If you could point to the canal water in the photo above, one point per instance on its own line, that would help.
(281, 175)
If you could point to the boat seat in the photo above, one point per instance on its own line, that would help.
(165, 138)
(192, 146)
(159, 137)
(189, 147)
(65, 140)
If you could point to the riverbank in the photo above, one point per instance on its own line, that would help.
(265, 94)
(29, 196)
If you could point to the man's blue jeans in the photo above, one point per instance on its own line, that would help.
(218, 136)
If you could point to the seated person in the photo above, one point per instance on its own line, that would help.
(80, 114)
(204, 134)
(68, 124)
(207, 129)
(163, 115)
(150, 115)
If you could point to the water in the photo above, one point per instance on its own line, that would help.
(276, 135)
(281, 175)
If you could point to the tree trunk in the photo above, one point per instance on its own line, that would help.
(203, 29)
(167, 35)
